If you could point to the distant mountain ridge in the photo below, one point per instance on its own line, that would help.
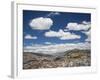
(61, 53)
(57, 48)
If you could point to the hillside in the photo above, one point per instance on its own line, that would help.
(71, 58)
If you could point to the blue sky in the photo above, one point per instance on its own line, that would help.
(67, 27)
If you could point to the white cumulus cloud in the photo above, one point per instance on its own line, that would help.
(88, 34)
(62, 35)
(30, 37)
(75, 26)
(41, 23)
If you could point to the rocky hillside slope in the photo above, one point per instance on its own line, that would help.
(71, 58)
